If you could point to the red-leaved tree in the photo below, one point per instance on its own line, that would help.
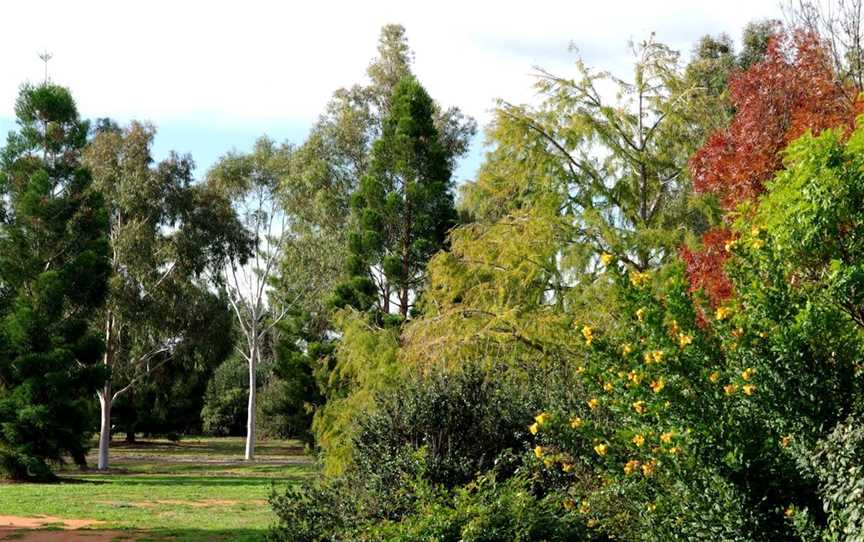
(791, 90)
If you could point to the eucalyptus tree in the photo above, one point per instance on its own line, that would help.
(253, 182)
(53, 272)
(165, 232)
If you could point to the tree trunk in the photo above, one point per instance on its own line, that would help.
(105, 426)
(250, 416)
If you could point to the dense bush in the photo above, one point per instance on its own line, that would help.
(226, 399)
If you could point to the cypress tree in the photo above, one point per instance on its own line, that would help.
(53, 272)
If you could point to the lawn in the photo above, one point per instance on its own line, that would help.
(197, 489)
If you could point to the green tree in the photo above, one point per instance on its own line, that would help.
(53, 273)
(165, 232)
(403, 208)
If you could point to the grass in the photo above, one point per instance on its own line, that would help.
(198, 489)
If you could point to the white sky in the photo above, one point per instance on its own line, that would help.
(214, 75)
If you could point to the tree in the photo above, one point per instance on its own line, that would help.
(53, 273)
(165, 232)
(403, 208)
(791, 90)
(253, 183)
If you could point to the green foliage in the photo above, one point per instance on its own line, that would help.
(224, 411)
(53, 271)
(403, 207)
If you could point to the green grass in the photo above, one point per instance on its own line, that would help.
(198, 489)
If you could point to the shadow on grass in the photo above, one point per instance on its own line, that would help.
(202, 535)
(206, 481)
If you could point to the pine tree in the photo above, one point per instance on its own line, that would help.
(53, 272)
(403, 208)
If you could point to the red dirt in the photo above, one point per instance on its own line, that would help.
(25, 529)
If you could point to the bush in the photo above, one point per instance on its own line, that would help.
(226, 399)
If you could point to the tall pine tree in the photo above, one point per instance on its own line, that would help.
(402, 209)
(53, 271)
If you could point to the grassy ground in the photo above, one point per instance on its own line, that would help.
(198, 489)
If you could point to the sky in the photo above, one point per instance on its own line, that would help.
(213, 76)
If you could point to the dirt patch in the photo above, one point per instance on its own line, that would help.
(19, 535)
(20, 522)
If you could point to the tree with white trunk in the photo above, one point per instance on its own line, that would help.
(165, 232)
(253, 181)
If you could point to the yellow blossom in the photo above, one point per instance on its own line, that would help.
(584, 507)
(538, 451)
(730, 244)
(634, 377)
(674, 450)
(566, 467)
(626, 348)
(673, 327)
(588, 334)
(757, 243)
(638, 440)
(785, 441)
(639, 407)
(638, 279)
(789, 512)
(730, 389)
(542, 418)
(534, 428)
(746, 374)
(748, 389)
(569, 504)
(648, 468)
(684, 339)
(667, 437)
(575, 422)
(651, 507)
(601, 449)
(580, 369)
(714, 377)
(548, 461)
(722, 313)
(606, 258)
(657, 385)
(640, 313)
(754, 231)
(592, 522)
(608, 386)
(592, 403)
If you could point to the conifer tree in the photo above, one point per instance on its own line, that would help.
(403, 208)
(53, 272)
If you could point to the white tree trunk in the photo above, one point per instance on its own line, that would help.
(250, 416)
(105, 400)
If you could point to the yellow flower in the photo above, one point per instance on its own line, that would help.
(714, 377)
(746, 374)
(639, 407)
(640, 313)
(592, 403)
(566, 467)
(722, 313)
(630, 466)
(588, 334)
(608, 387)
(648, 468)
(667, 437)
(657, 385)
(542, 418)
(569, 504)
(674, 450)
(748, 389)
(754, 231)
(673, 327)
(789, 512)
(584, 507)
(580, 370)
(651, 507)
(600, 449)
(575, 422)
(538, 451)
(534, 428)
(654, 356)
(730, 389)
(626, 348)
(548, 461)
(638, 279)
(606, 258)
(634, 377)
(684, 339)
(757, 243)
(591, 523)
(730, 244)
(638, 440)
(785, 441)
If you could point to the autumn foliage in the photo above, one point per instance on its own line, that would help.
(790, 91)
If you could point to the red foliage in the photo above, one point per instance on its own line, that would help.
(790, 91)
